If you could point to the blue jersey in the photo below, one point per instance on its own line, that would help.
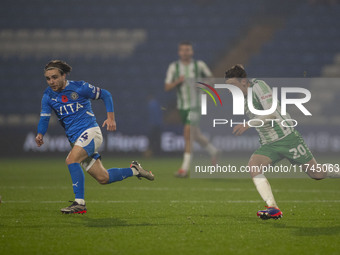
(72, 106)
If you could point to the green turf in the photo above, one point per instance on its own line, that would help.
(167, 216)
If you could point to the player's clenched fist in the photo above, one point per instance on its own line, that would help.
(39, 140)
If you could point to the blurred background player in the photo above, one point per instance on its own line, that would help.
(70, 100)
(277, 142)
(176, 78)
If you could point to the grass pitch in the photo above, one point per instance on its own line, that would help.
(167, 216)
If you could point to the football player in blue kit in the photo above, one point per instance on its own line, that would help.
(70, 101)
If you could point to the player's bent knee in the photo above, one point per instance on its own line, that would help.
(254, 174)
(317, 177)
(103, 179)
(69, 161)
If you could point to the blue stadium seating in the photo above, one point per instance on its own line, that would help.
(211, 26)
(303, 45)
(308, 41)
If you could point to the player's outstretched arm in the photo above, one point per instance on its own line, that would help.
(44, 120)
(42, 129)
(110, 122)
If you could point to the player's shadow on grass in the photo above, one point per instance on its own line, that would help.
(311, 231)
(109, 223)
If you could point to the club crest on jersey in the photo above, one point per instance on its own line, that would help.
(74, 95)
(64, 99)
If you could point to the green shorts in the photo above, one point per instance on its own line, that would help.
(291, 147)
(190, 117)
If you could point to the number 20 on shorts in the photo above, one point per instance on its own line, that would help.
(298, 151)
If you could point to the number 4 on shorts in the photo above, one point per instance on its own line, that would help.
(85, 136)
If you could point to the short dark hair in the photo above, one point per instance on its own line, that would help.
(236, 71)
(188, 43)
(62, 66)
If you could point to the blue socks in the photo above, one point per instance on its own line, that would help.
(78, 180)
(119, 174)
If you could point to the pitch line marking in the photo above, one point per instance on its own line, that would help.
(173, 189)
(175, 201)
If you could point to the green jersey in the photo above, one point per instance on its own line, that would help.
(262, 100)
(187, 94)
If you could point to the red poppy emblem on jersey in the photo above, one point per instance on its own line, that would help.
(64, 99)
